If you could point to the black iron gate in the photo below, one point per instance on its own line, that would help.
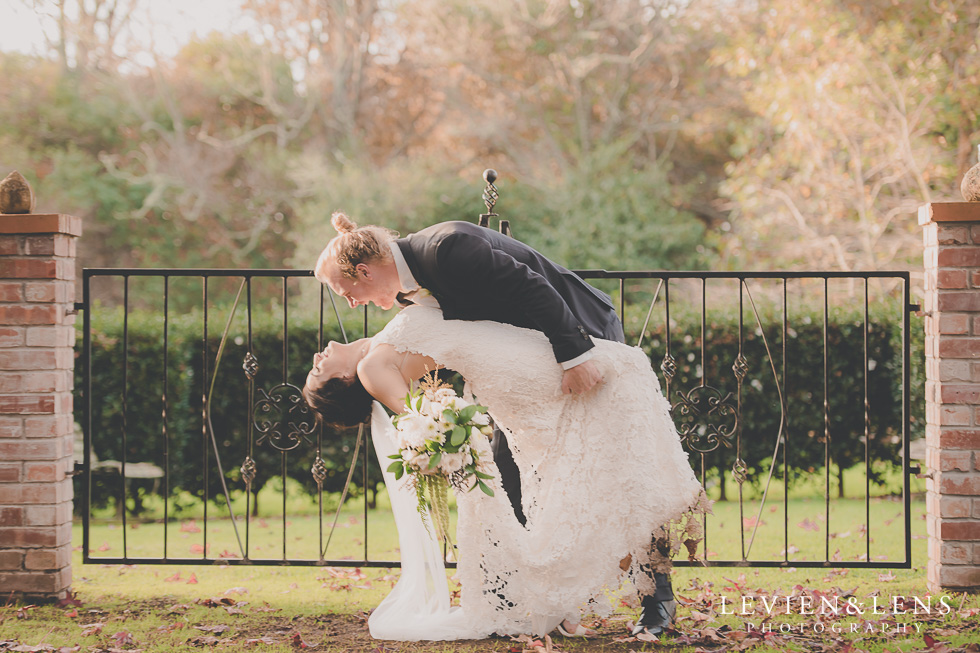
(736, 395)
(708, 400)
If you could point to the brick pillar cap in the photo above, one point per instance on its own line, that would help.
(949, 212)
(40, 223)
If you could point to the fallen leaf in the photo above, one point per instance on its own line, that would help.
(123, 638)
(192, 580)
(69, 600)
(217, 630)
(92, 629)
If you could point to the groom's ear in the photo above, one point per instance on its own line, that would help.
(363, 270)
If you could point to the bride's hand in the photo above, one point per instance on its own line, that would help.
(581, 378)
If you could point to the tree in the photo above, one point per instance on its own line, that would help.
(86, 33)
(844, 146)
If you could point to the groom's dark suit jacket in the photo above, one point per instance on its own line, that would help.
(479, 274)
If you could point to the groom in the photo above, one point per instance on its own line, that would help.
(474, 273)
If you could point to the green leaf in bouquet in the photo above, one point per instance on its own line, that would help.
(396, 456)
(449, 416)
(480, 474)
(398, 467)
(459, 436)
(434, 460)
(466, 414)
(487, 490)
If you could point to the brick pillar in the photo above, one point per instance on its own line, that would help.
(952, 343)
(37, 337)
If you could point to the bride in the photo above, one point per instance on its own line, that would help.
(600, 472)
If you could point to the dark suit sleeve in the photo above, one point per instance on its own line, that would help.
(476, 268)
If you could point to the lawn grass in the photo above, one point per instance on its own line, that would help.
(214, 605)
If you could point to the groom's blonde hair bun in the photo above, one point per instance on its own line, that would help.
(353, 245)
(342, 223)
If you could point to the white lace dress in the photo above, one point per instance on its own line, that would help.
(600, 473)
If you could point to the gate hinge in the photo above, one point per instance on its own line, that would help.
(79, 469)
(915, 308)
(78, 306)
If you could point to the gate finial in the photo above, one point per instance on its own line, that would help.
(489, 196)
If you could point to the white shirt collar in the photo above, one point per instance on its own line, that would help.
(405, 277)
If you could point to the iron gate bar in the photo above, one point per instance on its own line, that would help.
(742, 366)
(250, 423)
(906, 414)
(826, 419)
(125, 410)
(164, 399)
(785, 333)
(204, 404)
(664, 278)
(209, 424)
(867, 431)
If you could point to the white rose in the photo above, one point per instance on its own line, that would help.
(450, 462)
(445, 395)
(481, 418)
(479, 443)
(413, 429)
(419, 461)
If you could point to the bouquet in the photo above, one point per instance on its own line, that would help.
(442, 442)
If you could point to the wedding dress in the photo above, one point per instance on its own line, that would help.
(600, 473)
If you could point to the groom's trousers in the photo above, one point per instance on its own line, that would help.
(510, 477)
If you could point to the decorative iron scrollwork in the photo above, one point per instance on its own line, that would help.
(740, 471)
(669, 367)
(250, 365)
(249, 470)
(490, 195)
(705, 419)
(319, 472)
(740, 367)
(283, 416)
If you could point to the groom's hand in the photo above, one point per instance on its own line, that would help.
(580, 378)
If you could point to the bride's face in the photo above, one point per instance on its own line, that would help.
(337, 360)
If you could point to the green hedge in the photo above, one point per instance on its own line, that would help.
(806, 425)
(187, 452)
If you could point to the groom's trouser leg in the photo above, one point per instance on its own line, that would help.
(665, 590)
(510, 475)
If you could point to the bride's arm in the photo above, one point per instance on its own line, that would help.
(386, 372)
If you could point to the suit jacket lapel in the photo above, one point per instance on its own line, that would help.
(418, 269)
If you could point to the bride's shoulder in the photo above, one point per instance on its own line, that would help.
(407, 324)
(414, 315)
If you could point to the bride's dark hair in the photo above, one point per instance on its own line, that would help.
(339, 402)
